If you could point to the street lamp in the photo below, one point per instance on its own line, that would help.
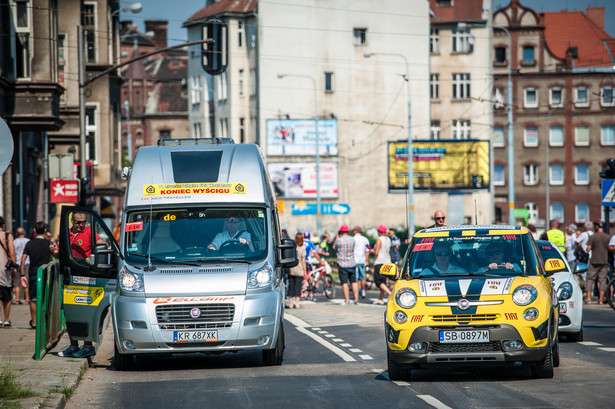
(133, 8)
(410, 151)
(511, 169)
(318, 209)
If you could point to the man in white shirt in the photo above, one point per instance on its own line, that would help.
(232, 233)
(361, 256)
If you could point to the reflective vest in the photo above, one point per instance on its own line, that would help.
(557, 237)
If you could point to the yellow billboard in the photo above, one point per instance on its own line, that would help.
(440, 165)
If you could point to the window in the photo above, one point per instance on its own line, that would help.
(530, 174)
(556, 136)
(360, 36)
(556, 175)
(252, 82)
(581, 212)
(581, 98)
(222, 88)
(21, 9)
(329, 82)
(528, 55)
(498, 99)
(556, 97)
(242, 130)
(434, 86)
(164, 134)
(607, 135)
(531, 97)
(91, 132)
(500, 55)
(606, 97)
(434, 42)
(498, 136)
(532, 209)
(195, 90)
(240, 34)
(88, 21)
(461, 40)
(242, 81)
(581, 174)
(612, 214)
(461, 86)
(530, 136)
(22, 57)
(461, 129)
(581, 135)
(556, 211)
(434, 131)
(62, 64)
(196, 130)
(498, 176)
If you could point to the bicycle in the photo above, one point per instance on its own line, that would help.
(319, 280)
(609, 293)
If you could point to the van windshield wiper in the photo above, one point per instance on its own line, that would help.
(162, 259)
(219, 259)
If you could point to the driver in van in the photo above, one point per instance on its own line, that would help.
(442, 256)
(231, 233)
(495, 256)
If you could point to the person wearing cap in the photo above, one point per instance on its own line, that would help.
(555, 235)
(597, 246)
(346, 266)
(571, 232)
(382, 254)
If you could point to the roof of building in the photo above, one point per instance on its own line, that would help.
(223, 7)
(460, 10)
(569, 29)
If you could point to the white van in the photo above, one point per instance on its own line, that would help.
(199, 263)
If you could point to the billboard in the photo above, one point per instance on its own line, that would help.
(298, 180)
(440, 165)
(298, 137)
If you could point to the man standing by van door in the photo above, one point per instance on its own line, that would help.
(346, 266)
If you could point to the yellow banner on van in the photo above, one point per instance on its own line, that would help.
(440, 165)
(194, 189)
(79, 295)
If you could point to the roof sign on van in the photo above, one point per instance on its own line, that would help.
(191, 189)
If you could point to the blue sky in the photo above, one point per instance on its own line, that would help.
(178, 11)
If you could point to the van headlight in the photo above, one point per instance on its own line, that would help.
(564, 291)
(405, 298)
(131, 281)
(263, 277)
(524, 294)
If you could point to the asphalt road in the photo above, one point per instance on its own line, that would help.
(335, 357)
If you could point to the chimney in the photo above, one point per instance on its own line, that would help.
(596, 14)
(159, 27)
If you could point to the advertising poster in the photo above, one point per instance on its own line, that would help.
(298, 137)
(440, 165)
(298, 180)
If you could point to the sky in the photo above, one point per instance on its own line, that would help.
(175, 14)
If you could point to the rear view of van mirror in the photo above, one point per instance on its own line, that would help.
(288, 253)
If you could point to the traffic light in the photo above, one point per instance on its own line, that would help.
(608, 170)
(86, 193)
(214, 54)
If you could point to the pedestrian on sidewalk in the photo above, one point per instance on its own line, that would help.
(20, 243)
(40, 251)
(296, 274)
(346, 266)
(361, 256)
(597, 246)
(6, 273)
(439, 219)
(382, 254)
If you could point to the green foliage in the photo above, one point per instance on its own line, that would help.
(11, 389)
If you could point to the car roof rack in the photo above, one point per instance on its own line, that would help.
(195, 141)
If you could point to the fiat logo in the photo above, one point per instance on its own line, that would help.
(463, 304)
(195, 313)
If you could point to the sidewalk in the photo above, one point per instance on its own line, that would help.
(49, 377)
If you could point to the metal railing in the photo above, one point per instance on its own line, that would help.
(50, 320)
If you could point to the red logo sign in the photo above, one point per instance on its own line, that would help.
(64, 191)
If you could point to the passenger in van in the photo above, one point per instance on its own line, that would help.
(443, 255)
(495, 253)
(231, 233)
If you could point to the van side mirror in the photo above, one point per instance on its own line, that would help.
(103, 258)
(288, 253)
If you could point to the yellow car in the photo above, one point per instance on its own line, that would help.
(472, 295)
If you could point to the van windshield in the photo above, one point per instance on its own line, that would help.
(196, 234)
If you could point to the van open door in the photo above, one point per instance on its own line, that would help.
(88, 261)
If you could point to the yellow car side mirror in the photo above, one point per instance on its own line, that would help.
(554, 265)
(389, 270)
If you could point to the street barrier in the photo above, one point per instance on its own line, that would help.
(50, 321)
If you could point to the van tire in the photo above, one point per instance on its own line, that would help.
(275, 356)
(122, 362)
(396, 371)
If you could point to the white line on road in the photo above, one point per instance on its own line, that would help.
(607, 349)
(347, 345)
(337, 340)
(433, 402)
(301, 327)
(589, 343)
(355, 350)
(365, 357)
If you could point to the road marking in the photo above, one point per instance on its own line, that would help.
(607, 349)
(401, 383)
(355, 350)
(297, 322)
(365, 357)
(316, 329)
(337, 340)
(329, 335)
(347, 345)
(433, 402)
(302, 327)
(323, 332)
(589, 343)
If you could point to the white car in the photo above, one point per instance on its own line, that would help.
(569, 293)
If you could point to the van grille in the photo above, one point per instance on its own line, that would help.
(465, 317)
(178, 316)
(492, 346)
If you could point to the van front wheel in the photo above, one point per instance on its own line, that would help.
(275, 356)
(122, 362)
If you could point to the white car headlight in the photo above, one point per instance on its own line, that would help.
(524, 294)
(263, 277)
(564, 292)
(405, 298)
(131, 281)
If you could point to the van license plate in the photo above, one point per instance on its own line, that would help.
(563, 307)
(195, 336)
(464, 337)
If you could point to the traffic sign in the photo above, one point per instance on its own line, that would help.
(302, 208)
(608, 192)
(6, 146)
(335, 208)
(64, 191)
